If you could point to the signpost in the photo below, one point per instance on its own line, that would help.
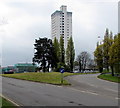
(62, 71)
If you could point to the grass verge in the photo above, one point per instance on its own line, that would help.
(109, 77)
(5, 103)
(50, 78)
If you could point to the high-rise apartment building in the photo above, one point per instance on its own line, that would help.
(61, 24)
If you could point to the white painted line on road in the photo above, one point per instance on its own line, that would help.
(77, 90)
(117, 98)
(59, 86)
(91, 93)
(111, 90)
(104, 88)
(9, 100)
(85, 91)
(54, 85)
(92, 85)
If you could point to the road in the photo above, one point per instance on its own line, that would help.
(90, 83)
(26, 93)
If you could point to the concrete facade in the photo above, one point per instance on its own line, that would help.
(61, 24)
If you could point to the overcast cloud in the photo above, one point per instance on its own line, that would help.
(23, 21)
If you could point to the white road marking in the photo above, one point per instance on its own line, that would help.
(92, 85)
(104, 88)
(117, 98)
(91, 93)
(53, 85)
(85, 91)
(111, 90)
(9, 100)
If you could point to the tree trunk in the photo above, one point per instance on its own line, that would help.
(100, 69)
(71, 65)
(79, 66)
(44, 63)
(112, 70)
(107, 68)
(48, 67)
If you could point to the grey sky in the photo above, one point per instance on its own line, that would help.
(22, 21)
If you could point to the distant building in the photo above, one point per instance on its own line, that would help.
(25, 67)
(61, 24)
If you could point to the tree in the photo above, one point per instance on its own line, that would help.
(70, 53)
(118, 42)
(79, 62)
(98, 53)
(115, 54)
(111, 38)
(118, 54)
(62, 50)
(76, 63)
(56, 49)
(111, 53)
(106, 47)
(83, 58)
(91, 64)
(108, 53)
(51, 57)
(44, 54)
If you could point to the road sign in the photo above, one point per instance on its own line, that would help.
(62, 70)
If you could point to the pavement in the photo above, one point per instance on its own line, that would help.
(26, 93)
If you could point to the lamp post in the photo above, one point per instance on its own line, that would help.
(99, 40)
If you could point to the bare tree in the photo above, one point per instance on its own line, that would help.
(91, 64)
(83, 58)
(79, 62)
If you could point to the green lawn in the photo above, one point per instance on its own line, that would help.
(5, 103)
(109, 77)
(50, 78)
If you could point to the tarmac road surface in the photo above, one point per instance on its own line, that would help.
(90, 83)
(26, 93)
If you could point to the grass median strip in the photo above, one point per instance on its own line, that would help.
(50, 78)
(109, 77)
